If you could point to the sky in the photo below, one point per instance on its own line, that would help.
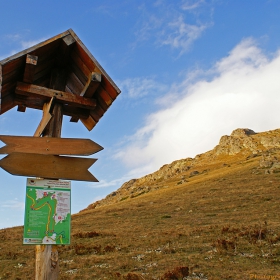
(190, 71)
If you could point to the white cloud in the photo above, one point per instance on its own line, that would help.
(244, 56)
(140, 87)
(181, 35)
(239, 91)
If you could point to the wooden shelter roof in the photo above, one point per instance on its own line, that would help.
(86, 91)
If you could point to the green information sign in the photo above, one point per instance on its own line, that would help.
(47, 212)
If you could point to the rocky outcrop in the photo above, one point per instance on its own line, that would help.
(242, 141)
(238, 141)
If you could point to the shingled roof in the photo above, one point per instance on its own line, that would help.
(86, 91)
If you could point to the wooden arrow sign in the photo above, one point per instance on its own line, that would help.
(48, 145)
(48, 166)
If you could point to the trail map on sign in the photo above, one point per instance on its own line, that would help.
(47, 212)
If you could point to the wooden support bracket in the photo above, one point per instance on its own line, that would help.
(92, 84)
(47, 109)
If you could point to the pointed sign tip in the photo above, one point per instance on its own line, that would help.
(48, 166)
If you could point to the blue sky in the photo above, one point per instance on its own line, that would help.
(189, 72)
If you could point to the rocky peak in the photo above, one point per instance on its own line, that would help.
(244, 140)
(243, 132)
(239, 140)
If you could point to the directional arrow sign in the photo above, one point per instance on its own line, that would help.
(48, 166)
(48, 145)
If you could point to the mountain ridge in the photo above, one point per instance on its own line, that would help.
(242, 142)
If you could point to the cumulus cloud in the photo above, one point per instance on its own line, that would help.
(240, 91)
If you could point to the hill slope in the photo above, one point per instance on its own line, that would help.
(216, 216)
(242, 142)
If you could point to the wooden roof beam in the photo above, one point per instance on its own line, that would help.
(68, 40)
(90, 87)
(30, 66)
(21, 108)
(38, 104)
(89, 122)
(61, 96)
(29, 72)
(93, 118)
(66, 47)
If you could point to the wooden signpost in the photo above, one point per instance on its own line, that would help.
(60, 77)
(48, 146)
(49, 166)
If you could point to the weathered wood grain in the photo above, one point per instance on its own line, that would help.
(46, 264)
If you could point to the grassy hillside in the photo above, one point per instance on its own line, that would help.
(221, 222)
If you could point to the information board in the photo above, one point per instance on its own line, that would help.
(47, 212)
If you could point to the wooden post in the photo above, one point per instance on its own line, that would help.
(47, 265)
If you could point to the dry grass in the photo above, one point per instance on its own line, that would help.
(221, 224)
